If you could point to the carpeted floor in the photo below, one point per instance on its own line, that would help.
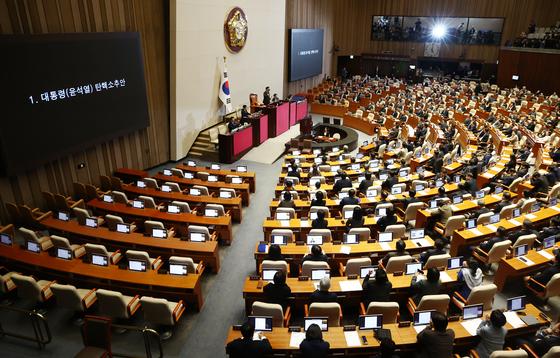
(273, 148)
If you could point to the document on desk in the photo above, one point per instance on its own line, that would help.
(304, 223)
(546, 254)
(444, 277)
(513, 319)
(514, 222)
(350, 285)
(421, 242)
(385, 246)
(419, 329)
(497, 197)
(352, 339)
(285, 223)
(492, 227)
(555, 208)
(530, 216)
(296, 338)
(475, 232)
(345, 249)
(471, 325)
(454, 208)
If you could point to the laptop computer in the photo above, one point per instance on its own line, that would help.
(268, 274)
(351, 238)
(33, 247)
(318, 274)
(99, 260)
(433, 204)
(396, 190)
(63, 253)
(516, 303)
(516, 212)
(137, 265)
(197, 237)
(178, 269)
(6, 239)
(63, 216)
(314, 240)
(364, 270)
(348, 214)
(454, 262)
(370, 321)
(473, 311)
(381, 212)
(385, 236)
(159, 233)
(279, 240)
(261, 323)
(412, 268)
(422, 317)
(494, 218)
(322, 322)
(123, 228)
(417, 234)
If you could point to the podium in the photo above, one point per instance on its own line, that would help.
(278, 118)
(234, 145)
(259, 122)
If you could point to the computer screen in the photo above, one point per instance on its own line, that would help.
(457, 199)
(166, 188)
(261, 324)
(191, 163)
(212, 178)
(535, 208)
(348, 214)
(107, 198)
(548, 242)
(33, 246)
(159, 233)
(140, 183)
(381, 211)
(422, 317)
(91, 222)
(64, 216)
(63, 253)
(396, 190)
(417, 233)
(403, 173)
(355, 166)
(342, 195)
(241, 168)
(167, 172)
(498, 190)
(178, 269)
(225, 194)
(516, 212)
(454, 262)
(213, 213)
(123, 228)
(439, 183)
(480, 194)
(335, 149)
(314, 240)
(385, 236)
(188, 175)
(312, 181)
(351, 238)
(371, 321)
(318, 274)
(137, 265)
(282, 216)
(99, 260)
(322, 322)
(552, 201)
(433, 204)
(279, 240)
(471, 223)
(194, 191)
(313, 215)
(237, 180)
(268, 274)
(173, 209)
(494, 218)
(138, 204)
(6, 239)
(413, 267)
(473, 311)
(516, 303)
(419, 187)
(197, 237)
(371, 193)
(215, 166)
(364, 270)
(520, 250)
(383, 176)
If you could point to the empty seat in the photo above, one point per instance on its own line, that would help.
(83, 214)
(315, 209)
(389, 310)
(192, 267)
(112, 221)
(149, 225)
(398, 263)
(152, 264)
(161, 312)
(151, 183)
(201, 230)
(275, 265)
(114, 304)
(177, 172)
(30, 289)
(279, 318)
(44, 242)
(439, 303)
(398, 231)
(202, 176)
(483, 294)
(218, 207)
(203, 189)
(436, 261)
(353, 266)
(307, 266)
(290, 211)
(72, 298)
(113, 257)
(331, 310)
(283, 232)
(185, 208)
(363, 232)
(325, 233)
(119, 197)
(62, 242)
(149, 202)
(173, 186)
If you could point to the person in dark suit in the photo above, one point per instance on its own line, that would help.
(266, 96)
(389, 219)
(526, 229)
(294, 171)
(343, 182)
(316, 254)
(378, 289)
(233, 125)
(506, 200)
(274, 253)
(401, 251)
(247, 347)
(389, 182)
(436, 340)
(350, 199)
(487, 245)
(322, 294)
(287, 201)
(320, 222)
(439, 249)
(430, 286)
(357, 219)
(410, 199)
(313, 346)
(539, 183)
(545, 276)
(244, 114)
(278, 291)
(319, 199)
(366, 183)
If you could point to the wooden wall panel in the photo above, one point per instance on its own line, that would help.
(524, 64)
(141, 149)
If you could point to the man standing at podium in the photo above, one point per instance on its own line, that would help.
(266, 96)
(244, 114)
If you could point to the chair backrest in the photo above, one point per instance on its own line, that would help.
(116, 183)
(218, 207)
(141, 256)
(364, 232)
(353, 265)
(185, 208)
(553, 352)
(271, 310)
(191, 266)
(203, 189)
(321, 179)
(15, 215)
(381, 150)
(554, 191)
(157, 311)
(389, 310)
(202, 175)
(331, 310)
(412, 211)
(398, 230)
(525, 240)
(527, 205)
(200, 230)
(484, 219)
(81, 215)
(290, 211)
(151, 224)
(454, 222)
(498, 251)
(112, 304)
(275, 265)
(283, 232)
(350, 208)
(59, 241)
(325, 233)
(151, 183)
(507, 211)
(324, 168)
(79, 191)
(91, 192)
(175, 188)
(436, 261)
(553, 286)
(222, 129)
(324, 209)
(229, 190)
(483, 294)
(67, 296)
(439, 303)
(177, 172)
(149, 202)
(105, 182)
(519, 353)
(97, 249)
(50, 200)
(27, 287)
(28, 235)
(384, 206)
(119, 197)
(294, 180)
(307, 266)
(514, 184)
(397, 263)
(112, 221)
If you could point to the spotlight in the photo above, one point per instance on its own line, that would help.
(412, 67)
(351, 57)
(438, 31)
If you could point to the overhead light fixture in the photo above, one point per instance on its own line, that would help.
(515, 77)
(412, 67)
(439, 31)
(351, 57)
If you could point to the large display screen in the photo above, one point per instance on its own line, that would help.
(306, 53)
(65, 92)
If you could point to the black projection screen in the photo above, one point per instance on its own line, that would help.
(66, 92)
(306, 53)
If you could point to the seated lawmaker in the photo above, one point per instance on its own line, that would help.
(322, 294)
(316, 254)
(278, 291)
(389, 219)
(365, 183)
(294, 171)
(422, 287)
(320, 222)
(526, 229)
(246, 346)
(244, 114)
(343, 182)
(469, 277)
(233, 124)
(274, 253)
(487, 245)
(357, 219)
(287, 201)
(350, 199)
(492, 334)
(439, 249)
(313, 345)
(436, 340)
(319, 199)
(544, 339)
(401, 251)
(545, 276)
(377, 289)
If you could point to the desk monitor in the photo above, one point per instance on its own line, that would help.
(314, 240)
(457, 199)
(279, 240)
(261, 323)
(197, 237)
(535, 207)
(212, 213)
(167, 172)
(403, 172)
(454, 262)
(360, 178)
(371, 321)
(516, 212)
(268, 274)
(473, 311)
(335, 149)
(413, 267)
(471, 223)
(383, 176)
(215, 166)
(140, 184)
(316, 151)
(241, 169)
(381, 212)
(498, 190)
(335, 168)
(385, 236)
(420, 170)
(419, 187)
(340, 158)
(108, 198)
(322, 322)
(159, 233)
(166, 188)
(359, 156)
(548, 242)
(236, 180)
(426, 150)
(137, 265)
(318, 274)
(33, 247)
(374, 163)
(178, 269)
(188, 175)
(422, 317)
(5, 239)
(296, 152)
(520, 250)
(317, 160)
(355, 166)
(312, 182)
(225, 194)
(418, 154)
(365, 142)
(516, 303)
(371, 193)
(138, 204)
(92, 222)
(282, 216)
(173, 209)
(480, 194)
(63, 253)
(553, 202)
(364, 270)
(439, 183)
(123, 228)
(212, 178)
(390, 161)
(99, 260)
(191, 163)
(457, 179)
(396, 189)
(348, 214)
(417, 234)
(289, 168)
(494, 218)
(342, 195)
(313, 215)
(433, 204)
(63, 215)
(351, 238)
(194, 192)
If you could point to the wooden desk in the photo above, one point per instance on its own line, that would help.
(233, 204)
(222, 224)
(328, 109)
(514, 267)
(213, 187)
(360, 123)
(84, 275)
(405, 337)
(249, 177)
(198, 251)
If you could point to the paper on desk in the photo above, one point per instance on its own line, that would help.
(419, 329)
(527, 261)
(352, 339)
(444, 277)
(454, 208)
(421, 242)
(345, 249)
(530, 216)
(496, 196)
(513, 319)
(385, 246)
(514, 222)
(555, 208)
(304, 223)
(391, 197)
(296, 338)
(492, 227)
(546, 254)
(475, 232)
(350, 285)
(337, 201)
(471, 325)
(285, 223)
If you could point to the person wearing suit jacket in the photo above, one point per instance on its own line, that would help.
(246, 347)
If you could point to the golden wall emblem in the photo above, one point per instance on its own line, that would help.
(235, 30)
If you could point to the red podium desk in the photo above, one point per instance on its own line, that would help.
(234, 145)
(259, 122)
(293, 109)
(301, 110)
(278, 119)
